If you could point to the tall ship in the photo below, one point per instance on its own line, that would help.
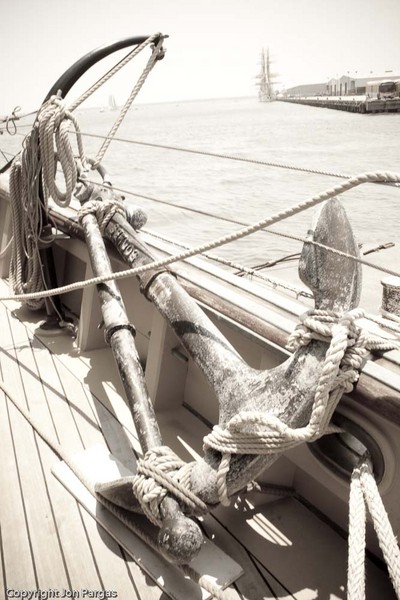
(265, 78)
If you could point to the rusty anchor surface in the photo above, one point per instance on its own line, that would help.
(287, 391)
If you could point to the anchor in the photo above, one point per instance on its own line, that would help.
(286, 391)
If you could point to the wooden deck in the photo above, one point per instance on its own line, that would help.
(50, 542)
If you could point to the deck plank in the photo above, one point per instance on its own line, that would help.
(90, 414)
(15, 536)
(49, 566)
(81, 567)
(252, 585)
(76, 428)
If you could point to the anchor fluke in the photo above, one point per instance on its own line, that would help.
(335, 280)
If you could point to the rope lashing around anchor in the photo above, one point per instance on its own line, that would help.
(104, 210)
(160, 472)
(348, 347)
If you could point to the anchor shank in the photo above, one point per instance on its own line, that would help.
(210, 350)
(119, 335)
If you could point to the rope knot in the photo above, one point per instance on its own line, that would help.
(162, 472)
(104, 210)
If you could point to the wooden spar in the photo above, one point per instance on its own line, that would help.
(286, 391)
(180, 538)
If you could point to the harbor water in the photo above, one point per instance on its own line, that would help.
(289, 134)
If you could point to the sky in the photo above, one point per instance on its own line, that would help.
(213, 47)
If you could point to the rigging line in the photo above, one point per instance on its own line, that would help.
(304, 240)
(236, 158)
(274, 282)
(187, 208)
(5, 154)
(4, 119)
(115, 69)
(225, 156)
(236, 235)
(214, 216)
(156, 54)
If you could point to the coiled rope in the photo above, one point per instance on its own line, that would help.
(28, 208)
(25, 274)
(47, 144)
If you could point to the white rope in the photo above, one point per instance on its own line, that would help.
(114, 70)
(282, 234)
(162, 471)
(27, 207)
(25, 265)
(254, 432)
(104, 210)
(289, 212)
(365, 498)
(55, 146)
(155, 55)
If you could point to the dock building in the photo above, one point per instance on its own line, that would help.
(339, 86)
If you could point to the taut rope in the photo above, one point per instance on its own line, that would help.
(289, 212)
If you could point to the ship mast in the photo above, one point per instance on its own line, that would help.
(265, 91)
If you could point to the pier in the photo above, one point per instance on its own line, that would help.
(359, 104)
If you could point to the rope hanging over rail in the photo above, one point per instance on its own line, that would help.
(25, 267)
(365, 498)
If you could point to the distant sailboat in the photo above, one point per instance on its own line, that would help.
(265, 78)
(112, 103)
